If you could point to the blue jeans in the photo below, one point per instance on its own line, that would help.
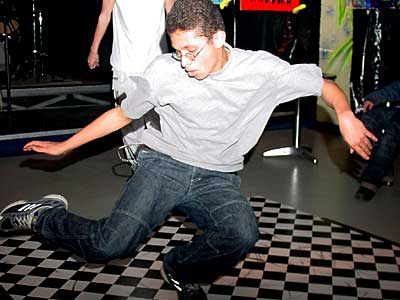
(212, 200)
(385, 151)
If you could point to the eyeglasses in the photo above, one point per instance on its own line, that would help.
(177, 55)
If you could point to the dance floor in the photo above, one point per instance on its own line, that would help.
(298, 256)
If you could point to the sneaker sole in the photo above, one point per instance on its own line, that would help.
(177, 288)
(50, 196)
(164, 275)
(167, 280)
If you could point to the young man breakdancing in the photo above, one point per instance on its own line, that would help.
(213, 102)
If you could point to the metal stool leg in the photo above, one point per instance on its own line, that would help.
(296, 149)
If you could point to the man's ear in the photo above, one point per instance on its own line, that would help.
(219, 39)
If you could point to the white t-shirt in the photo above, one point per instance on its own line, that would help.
(138, 34)
(212, 123)
(138, 37)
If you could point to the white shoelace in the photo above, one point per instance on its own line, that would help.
(23, 221)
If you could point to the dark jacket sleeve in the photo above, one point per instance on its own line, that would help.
(389, 93)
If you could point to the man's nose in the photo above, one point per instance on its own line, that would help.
(185, 61)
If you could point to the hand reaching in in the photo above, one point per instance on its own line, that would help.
(367, 105)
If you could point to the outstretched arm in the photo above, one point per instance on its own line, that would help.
(353, 130)
(108, 122)
(102, 24)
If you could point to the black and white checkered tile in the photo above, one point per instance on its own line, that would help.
(299, 256)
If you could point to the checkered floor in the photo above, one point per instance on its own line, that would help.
(299, 256)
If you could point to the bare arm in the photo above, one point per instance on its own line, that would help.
(102, 24)
(108, 122)
(168, 5)
(353, 130)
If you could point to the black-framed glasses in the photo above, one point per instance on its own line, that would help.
(177, 55)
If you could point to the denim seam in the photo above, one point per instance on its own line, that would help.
(136, 218)
(225, 204)
(233, 250)
(191, 180)
(211, 246)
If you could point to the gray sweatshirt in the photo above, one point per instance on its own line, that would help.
(212, 123)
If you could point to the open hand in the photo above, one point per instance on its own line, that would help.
(356, 135)
(48, 147)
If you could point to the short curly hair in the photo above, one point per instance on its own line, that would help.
(200, 15)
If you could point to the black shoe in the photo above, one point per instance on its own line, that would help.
(21, 215)
(364, 193)
(357, 166)
(186, 291)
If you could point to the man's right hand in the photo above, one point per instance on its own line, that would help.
(48, 147)
(110, 121)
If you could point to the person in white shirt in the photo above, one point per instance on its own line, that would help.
(138, 37)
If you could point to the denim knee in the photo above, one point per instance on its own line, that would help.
(107, 251)
(105, 245)
(244, 235)
(249, 239)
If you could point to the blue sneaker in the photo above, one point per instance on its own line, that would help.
(186, 291)
(22, 215)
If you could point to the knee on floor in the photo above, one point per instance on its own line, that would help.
(244, 237)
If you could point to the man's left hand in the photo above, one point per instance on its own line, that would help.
(356, 135)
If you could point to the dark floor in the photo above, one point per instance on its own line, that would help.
(317, 241)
